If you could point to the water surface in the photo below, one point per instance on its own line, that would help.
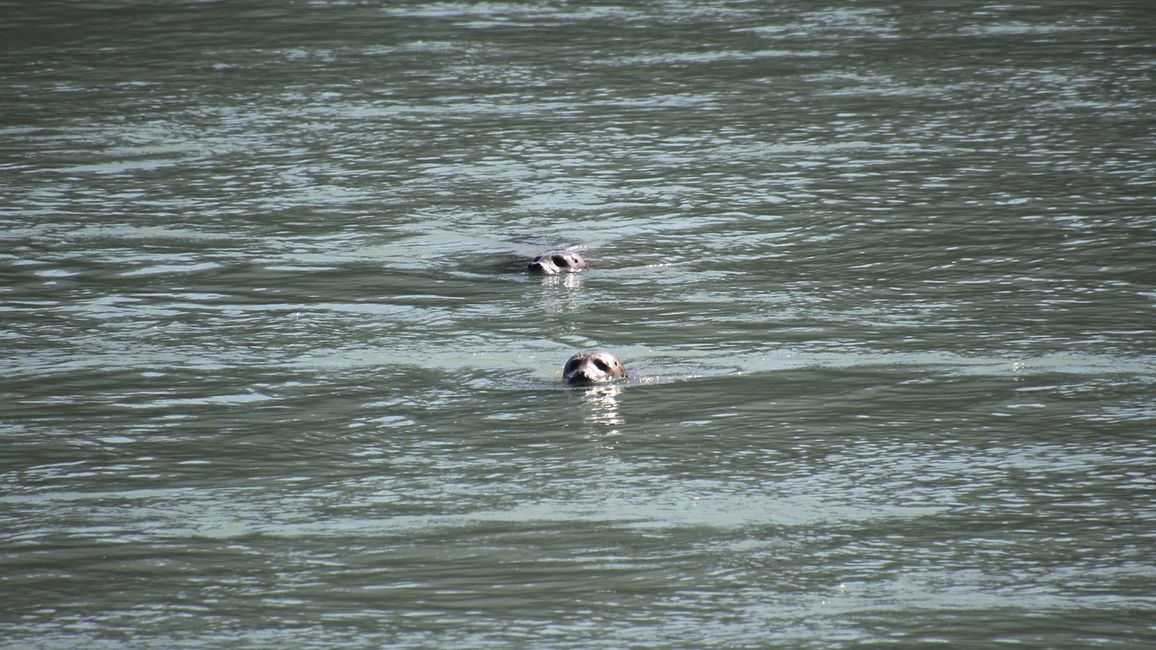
(882, 276)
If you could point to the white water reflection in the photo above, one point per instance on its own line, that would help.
(603, 410)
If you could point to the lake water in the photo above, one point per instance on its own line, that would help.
(884, 276)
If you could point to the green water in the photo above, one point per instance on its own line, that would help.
(882, 276)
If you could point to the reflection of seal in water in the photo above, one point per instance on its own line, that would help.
(555, 262)
(593, 367)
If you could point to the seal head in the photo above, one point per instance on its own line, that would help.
(555, 262)
(593, 367)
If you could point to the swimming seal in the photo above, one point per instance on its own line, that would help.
(555, 262)
(593, 367)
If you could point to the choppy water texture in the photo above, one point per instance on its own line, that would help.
(883, 276)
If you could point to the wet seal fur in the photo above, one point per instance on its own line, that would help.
(554, 262)
(593, 367)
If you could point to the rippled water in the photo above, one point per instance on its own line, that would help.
(883, 277)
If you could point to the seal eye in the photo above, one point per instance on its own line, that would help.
(601, 365)
(560, 261)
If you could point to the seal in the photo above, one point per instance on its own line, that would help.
(555, 262)
(593, 367)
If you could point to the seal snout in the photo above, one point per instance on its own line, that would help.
(593, 367)
(555, 262)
